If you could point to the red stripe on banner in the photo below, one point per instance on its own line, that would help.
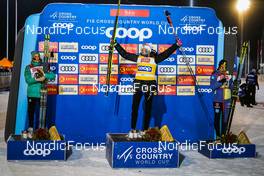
(130, 13)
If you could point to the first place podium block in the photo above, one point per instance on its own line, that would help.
(123, 153)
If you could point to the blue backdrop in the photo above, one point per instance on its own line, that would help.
(79, 38)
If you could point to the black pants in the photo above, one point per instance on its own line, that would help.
(252, 93)
(219, 119)
(148, 89)
(33, 103)
(244, 100)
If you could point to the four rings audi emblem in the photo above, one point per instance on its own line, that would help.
(68, 68)
(88, 58)
(68, 58)
(205, 49)
(105, 48)
(167, 69)
(186, 59)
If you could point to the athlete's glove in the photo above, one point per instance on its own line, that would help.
(179, 42)
(223, 80)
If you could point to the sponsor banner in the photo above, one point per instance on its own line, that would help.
(104, 58)
(204, 70)
(125, 61)
(204, 60)
(113, 79)
(166, 79)
(53, 46)
(88, 90)
(103, 69)
(87, 58)
(54, 81)
(167, 90)
(68, 58)
(185, 80)
(53, 59)
(167, 69)
(203, 80)
(88, 68)
(88, 79)
(104, 48)
(130, 48)
(162, 48)
(185, 90)
(130, 13)
(89, 47)
(205, 90)
(68, 68)
(52, 89)
(170, 59)
(68, 79)
(183, 59)
(128, 69)
(53, 68)
(205, 49)
(68, 89)
(126, 90)
(68, 47)
(127, 79)
(186, 49)
(184, 70)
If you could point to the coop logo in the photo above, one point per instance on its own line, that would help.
(53, 68)
(68, 47)
(127, 79)
(205, 49)
(183, 59)
(89, 47)
(127, 154)
(71, 58)
(202, 90)
(68, 68)
(167, 69)
(170, 59)
(235, 149)
(186, 49)
(132, 33)
(63, 25)
(33, 149)
(88, 58)
(104, 48)
(144, 68)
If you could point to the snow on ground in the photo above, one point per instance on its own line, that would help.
(93, 163)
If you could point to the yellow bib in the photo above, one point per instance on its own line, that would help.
(146, 68)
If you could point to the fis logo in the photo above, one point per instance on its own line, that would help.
(144, 69)
(127, 154)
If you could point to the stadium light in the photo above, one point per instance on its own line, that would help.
(242, 5)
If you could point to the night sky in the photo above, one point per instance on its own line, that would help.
(225, 10)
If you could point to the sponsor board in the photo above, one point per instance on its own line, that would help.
(170, 59)
(167, 90)
(88, 90)
(88, 68)
(104, 48)
(89, 47)
(127, 79)
(88, 79)
(185, 90)
(113, 79)
(68, 89)
(130, 48)
(87, 58)
(203, 80)
(68, 68)
(184, 70)
(68, 79)
(68, 47)
(128, 69)
(53, 46)
(125, 61)
(186, 49)
(68, 58)
(130, 13)
(204, 70)
(104, 58)
(204, 60)
(126, 90)
(163, 47)
(53, 59)
(52, 89)
(205, 90)
(185, 80)
(167, 69)
(166, 79)
(183, 59)
(103, 69)
(205, 50)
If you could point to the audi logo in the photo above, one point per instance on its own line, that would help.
(186, 59)
(188, 49)
(167, 69)
(88, 58)
(68, 68)
(205, 50)
(72, 58)
(88, 47)
(105, 48)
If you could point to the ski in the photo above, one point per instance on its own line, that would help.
(234, 96)
(111, 50)
(44, 91)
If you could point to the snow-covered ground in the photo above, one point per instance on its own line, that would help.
(93, 163)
